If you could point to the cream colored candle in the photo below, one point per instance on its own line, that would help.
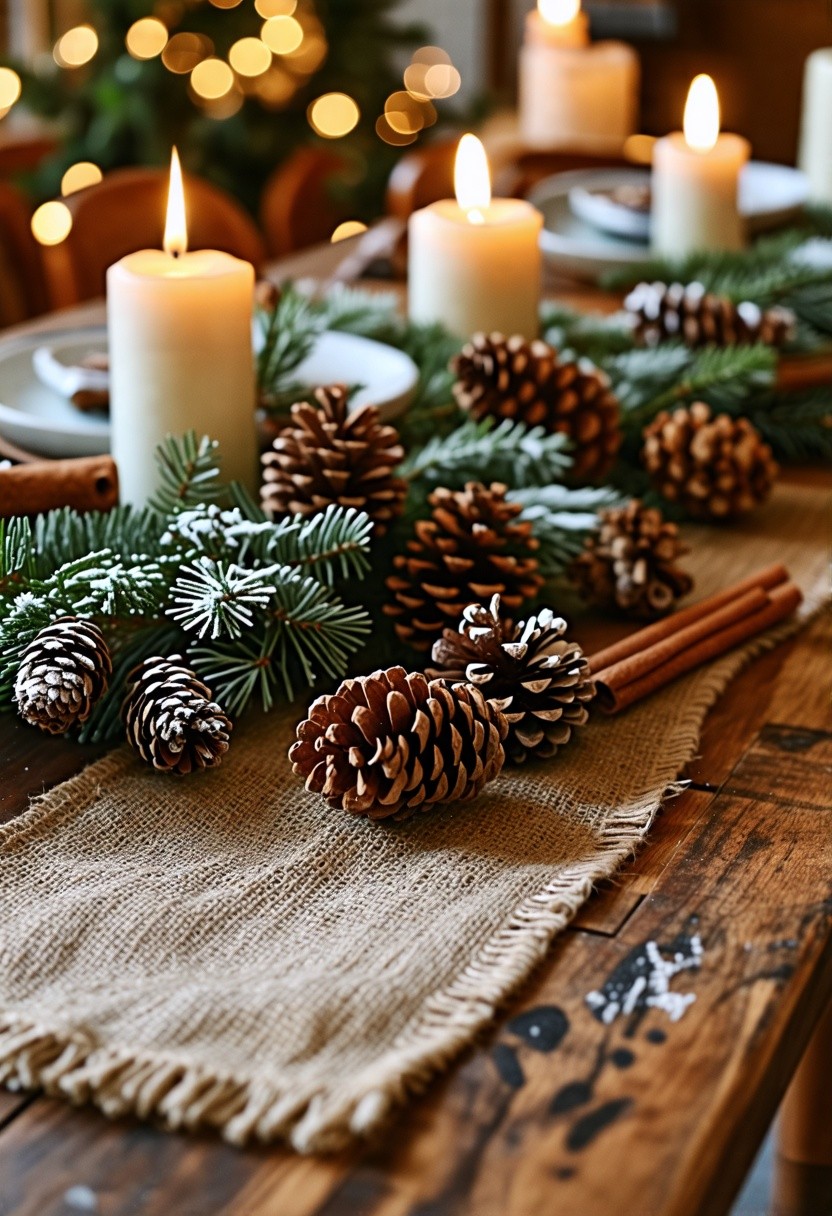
(816, 127)
(574, 94)
(696, 180)
(180, 355)
(475, 263)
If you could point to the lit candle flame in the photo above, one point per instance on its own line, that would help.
(559, 12)
(702, 114)
(176, 227)
(472, 179)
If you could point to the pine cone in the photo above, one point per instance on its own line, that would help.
(389, 744)
(331, 454)
(471, 548)
(665, 311)
(630, 565)
(526, 382)
(540, 681)
(170, 718)
(716, 468)
(63, 672)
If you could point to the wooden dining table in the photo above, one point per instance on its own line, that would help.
(659, 1117)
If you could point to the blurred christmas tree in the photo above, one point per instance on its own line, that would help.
(238, 85)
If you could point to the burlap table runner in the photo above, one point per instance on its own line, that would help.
(229, 952)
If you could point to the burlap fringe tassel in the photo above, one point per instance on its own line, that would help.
(185, 1095)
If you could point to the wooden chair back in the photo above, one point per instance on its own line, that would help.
(299, 206)
(126, 212)
(22, 284)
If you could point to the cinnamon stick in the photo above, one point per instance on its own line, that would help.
(636, 666)
(808, 371)
(89, 483)
(782, 603)
(636, 643)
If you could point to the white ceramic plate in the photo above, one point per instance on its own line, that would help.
(586, 234)
(37, 418)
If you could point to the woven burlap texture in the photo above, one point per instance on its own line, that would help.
(226, 951)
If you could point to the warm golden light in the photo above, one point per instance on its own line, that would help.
(176, 225)
(275, 88)
(146, 38)
(349, 228)
(390, 135)
(282, 35)
(76, 47)
(442, 80)
(333, 115)
(559, 12)
(212, 79)
(250, 57)
(702, 114)
(275, 8)
(51, 223)
(185, 51)
(9, 88)
(472, 178)
(79, 176)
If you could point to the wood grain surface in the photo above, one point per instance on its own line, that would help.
(586, 1099)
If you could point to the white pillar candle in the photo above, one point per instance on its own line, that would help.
(180, 356)
(696, 181)
(572, 94)
(475, 264)
(816, 127)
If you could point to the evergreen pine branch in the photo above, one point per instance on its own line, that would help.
(104, 724)
(308, 630)
(214, 599)
(561, 519)
(797, 425)
(17, 552)
(287, 335)
(509, 452)
(591, 336)
(66, 535)
(189, 473)
(333, 544)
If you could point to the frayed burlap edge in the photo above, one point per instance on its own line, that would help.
(185, 1095)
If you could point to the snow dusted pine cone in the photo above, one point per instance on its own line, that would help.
(666, 311)
(716, 468)
(526, 382)
(629, 566)
(539, 680)
(63, 672)
(170, 718)
(331, 454)
(471, 548)
(389, 744)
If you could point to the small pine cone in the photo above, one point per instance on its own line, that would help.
(331, 454)
(63, 672)
(389, 744)
(666, 311)
(715, 468)
(526, 382)
(629, 566)
(539, 680)
(170, 718)
(471, 548)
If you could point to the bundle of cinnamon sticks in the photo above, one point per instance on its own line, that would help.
(651, 658)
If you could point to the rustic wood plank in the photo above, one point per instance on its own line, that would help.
(565, 1103)
(32, 762)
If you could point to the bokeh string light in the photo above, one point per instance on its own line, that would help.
(212, 79)
(349, 228)
(76, 47)
(282, 35)
(51, 223)
(184, 51)
(276, 8)
(79, 176)
(146, 38)
(250, 57)
(10, 89)
(333, 115)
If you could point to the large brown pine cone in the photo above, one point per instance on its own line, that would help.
(526, 382)
(389, 744)
(170, 718)
(664, 311)
(471, 548)
(331, 454)
(716, 468)
(629, 566)
(539, 680)
(63, 672)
